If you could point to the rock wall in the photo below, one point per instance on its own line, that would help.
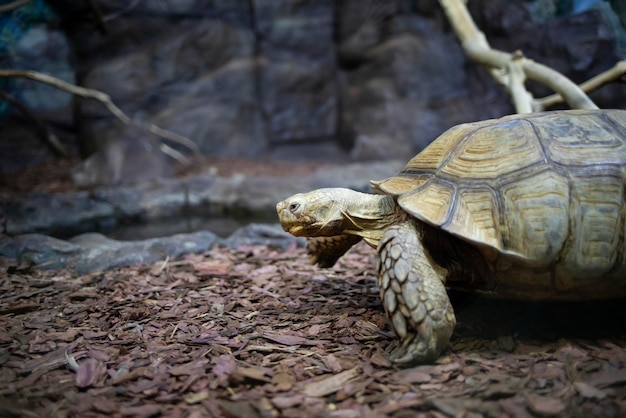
(290, 78)
(343, 79)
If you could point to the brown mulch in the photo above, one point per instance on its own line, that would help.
(258, 332)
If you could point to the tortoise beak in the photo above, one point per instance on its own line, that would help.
(289, 213)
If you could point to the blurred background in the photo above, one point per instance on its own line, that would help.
(280, 85)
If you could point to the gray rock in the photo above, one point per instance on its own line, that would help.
(41, 250)
(129, 155)
(101, 253)
(294, 79)
(300, 99)
(263, 234)
(298, 88)
(394, 106)
(93, 252)
(67, 214)
(220, 111)
(198, 78)
(31, 40)
(46, 50)
(56, 213)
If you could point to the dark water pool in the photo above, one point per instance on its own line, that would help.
(222, 226)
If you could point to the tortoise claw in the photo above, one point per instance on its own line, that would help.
(414, 350)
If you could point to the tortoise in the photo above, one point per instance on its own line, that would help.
(523, 207)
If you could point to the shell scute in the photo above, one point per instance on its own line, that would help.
(598, 214)
(537, 219)
(491, 151)
(546, 188)
(584, 140)
(435, 198)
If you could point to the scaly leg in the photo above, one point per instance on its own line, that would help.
(325, 251)
(413, 294)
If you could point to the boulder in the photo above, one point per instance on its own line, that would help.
(93, 252)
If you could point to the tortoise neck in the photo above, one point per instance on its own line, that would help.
(369, 215)
(371, 205)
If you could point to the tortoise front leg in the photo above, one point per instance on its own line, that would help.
(413, 294)
(325, 251)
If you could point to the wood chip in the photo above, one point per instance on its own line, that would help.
(259, 332)
(329, 385)
(88, 373)
(544, 405)
(588, 391)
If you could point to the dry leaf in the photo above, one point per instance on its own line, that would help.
(197, 397)
(283, 381)
(289, 339)
(141, 411)
(256, 373)
(588, 391)
(410, 376)
(225, 366)
(284, 402)
(544, 405)
(88, 373)
(213, 267)
(605, 379)
(330, 384)
(333, 363)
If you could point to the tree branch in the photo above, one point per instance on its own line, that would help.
(108, 103)
(13, 5)
(70, 88)
(99, 17)
(522, 99)
(502, 65)
(590, 85)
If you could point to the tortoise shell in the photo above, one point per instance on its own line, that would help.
(544, 191)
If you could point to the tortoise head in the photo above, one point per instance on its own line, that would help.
(336, 211)
(321, 212)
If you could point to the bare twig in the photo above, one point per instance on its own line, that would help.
(13, 5)
(70, 88)
(108, 103)
(44, 133)
(522, 99)
(178, 156)
(590, 85)
(174, 137)
(500, 64)
(99, 16)
(128, 8)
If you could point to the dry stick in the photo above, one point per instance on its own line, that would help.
(592, 84)
(522, 99)
(573, 95)
(14, 5)
(174, 137)
(99, 16)
(112, 16)
(477, 48)
(108, 103)
(70, 88)
(46, 135)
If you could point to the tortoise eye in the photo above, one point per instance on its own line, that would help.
(294, 207)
